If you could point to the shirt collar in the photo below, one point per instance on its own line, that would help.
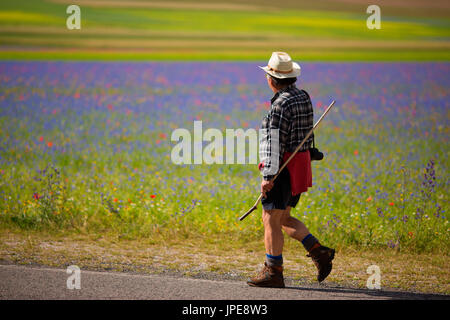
(277, 94)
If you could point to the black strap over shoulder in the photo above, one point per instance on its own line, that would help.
(314, 152)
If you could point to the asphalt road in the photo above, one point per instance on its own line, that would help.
(36, 283)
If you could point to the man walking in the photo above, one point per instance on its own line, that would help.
(283, 128)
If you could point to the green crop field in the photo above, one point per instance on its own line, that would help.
(180, 30)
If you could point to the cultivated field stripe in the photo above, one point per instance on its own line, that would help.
(214, 44)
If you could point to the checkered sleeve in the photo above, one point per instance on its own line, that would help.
(274, 134)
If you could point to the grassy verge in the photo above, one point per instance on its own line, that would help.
(223, 256)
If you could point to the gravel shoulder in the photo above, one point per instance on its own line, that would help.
(221, 263)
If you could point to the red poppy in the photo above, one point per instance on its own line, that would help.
(41, 138)
(391, 203)
(115, 200)
(162, 135)
(36, 196)
(152, 196)
(355, 152)
(49, 144)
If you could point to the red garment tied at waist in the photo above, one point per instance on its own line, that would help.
(300, 171)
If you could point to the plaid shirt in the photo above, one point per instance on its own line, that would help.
(290, 118)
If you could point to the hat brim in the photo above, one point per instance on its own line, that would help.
(281, 75)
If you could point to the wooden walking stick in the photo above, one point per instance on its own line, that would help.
(287, 161)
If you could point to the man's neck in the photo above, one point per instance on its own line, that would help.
(282, 88)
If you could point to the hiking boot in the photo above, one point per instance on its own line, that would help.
(270, 277)
(322, 257)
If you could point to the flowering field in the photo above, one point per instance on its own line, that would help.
(86, 147)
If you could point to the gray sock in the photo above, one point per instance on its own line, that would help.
(274, 261)
(309, 241)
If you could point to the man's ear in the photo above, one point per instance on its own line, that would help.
(272, 83)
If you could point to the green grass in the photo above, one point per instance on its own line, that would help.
(86, 194)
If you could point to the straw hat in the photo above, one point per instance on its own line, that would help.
(281, 66)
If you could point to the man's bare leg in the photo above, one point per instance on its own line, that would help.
(277, 220)
(272, 273)
(292, 226)
(322, 256)
(273, 236)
